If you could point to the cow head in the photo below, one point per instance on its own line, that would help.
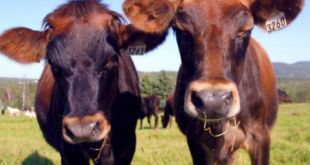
(213, 38)
(81, 42)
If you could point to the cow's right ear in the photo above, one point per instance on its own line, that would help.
(153, 16)
(265, 11)
(24, 45)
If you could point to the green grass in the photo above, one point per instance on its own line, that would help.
(21, 142)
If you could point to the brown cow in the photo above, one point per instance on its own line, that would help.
(225, 77)
(88, 98)
(284, 97)
(168, 112)
(149, 107)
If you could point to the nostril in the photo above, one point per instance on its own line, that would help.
(226, 95)
(227, 98)
(96, 129)
(196, 100)
(69, 133)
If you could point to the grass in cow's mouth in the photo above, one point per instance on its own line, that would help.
(221, 134)
(105, 140)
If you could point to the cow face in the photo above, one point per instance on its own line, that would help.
(84, 63)
(212, 55)
(213, 37)
(81, 42)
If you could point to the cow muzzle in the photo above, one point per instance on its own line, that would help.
(88, 128)
(216, 100)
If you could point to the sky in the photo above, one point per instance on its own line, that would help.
(289, 45)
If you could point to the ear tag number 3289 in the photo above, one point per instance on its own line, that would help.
(276, 22)
(136, 49)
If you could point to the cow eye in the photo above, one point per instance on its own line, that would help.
(244, 33)
(180, 9)
(50, 62)
(114, 58)
(54, 69)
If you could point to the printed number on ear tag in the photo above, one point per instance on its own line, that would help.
(136, 49)
(276, 22)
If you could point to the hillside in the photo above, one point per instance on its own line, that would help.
(14, 80)
(293, 78)
(300, 70)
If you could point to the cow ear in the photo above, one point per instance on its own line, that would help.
(24, 45)
(265, 11)
(138, 42)
(153, 16)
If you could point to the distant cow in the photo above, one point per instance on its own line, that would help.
(88, 98)
(284, 97)
(149, 107)
(2, 110)
(13, 111)
(29, 113)
(226, 76)
(168, 112)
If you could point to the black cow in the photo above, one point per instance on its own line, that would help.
(88, 98)
(149, 107)
(168, 112)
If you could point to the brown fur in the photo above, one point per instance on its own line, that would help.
(168, 112)
(216, 49)
(88, 80)
(138, 11)
(149, 107)
(284, 97)
(24, 45)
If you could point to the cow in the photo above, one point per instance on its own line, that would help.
(1, 106)
(88, 99)
(2, 110)
(149, 107)
(168, 112)
(284, 97)
(29, 113)
(226, 96)
(12, 111)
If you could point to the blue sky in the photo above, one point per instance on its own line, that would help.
(289, 45)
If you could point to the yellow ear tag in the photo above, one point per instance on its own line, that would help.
(276, 21)
(137, 49)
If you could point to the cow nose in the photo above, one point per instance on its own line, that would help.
(212, 103)
(83, 131)
(86, 128)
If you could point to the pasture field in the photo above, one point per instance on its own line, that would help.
(21, 142)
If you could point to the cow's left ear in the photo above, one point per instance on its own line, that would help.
(269, 11)
(24, 45)
(153, 16)
(135, 41)
(138, 42)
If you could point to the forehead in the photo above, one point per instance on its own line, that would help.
(228, 16)
(91, 13)
(80, 31)
(214, 9)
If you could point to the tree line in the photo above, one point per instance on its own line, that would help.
(17, 93)
(298, 89)
(161, 84)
